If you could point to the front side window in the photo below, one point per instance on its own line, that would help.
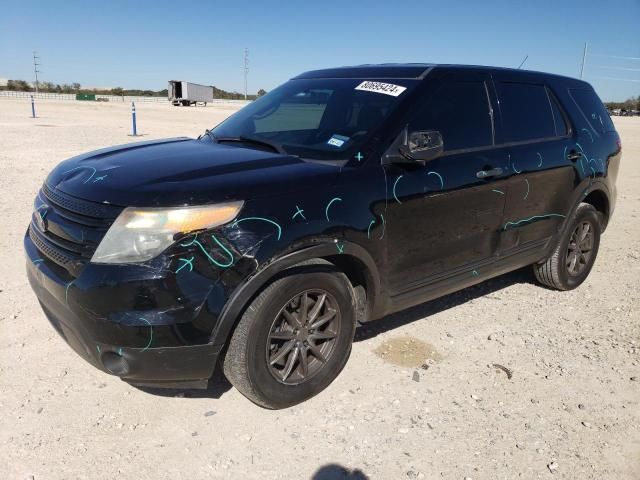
(324, 119)
(460, 112)
(526, 112)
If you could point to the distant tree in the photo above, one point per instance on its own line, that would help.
(18, 86)
(76, 86)
(117, 91)
(262, 92)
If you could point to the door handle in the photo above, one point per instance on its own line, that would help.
(574, 155)
(494, 172)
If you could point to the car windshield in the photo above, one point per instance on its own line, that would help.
(320, 119)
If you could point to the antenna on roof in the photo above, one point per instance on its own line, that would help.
(525, 59)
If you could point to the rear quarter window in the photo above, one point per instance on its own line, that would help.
(593, 109)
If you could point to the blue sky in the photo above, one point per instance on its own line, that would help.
(142, 44)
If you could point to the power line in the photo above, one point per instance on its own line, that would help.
(613, 56)
(35, 67)
(616, 78)
(616, 68)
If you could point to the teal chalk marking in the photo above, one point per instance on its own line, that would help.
(526, 194)
(150, 333)
(187, 262)
(498, 191)
(340, 247)
(394, 188)
(209, 257)
(38, 261)
(384, 226)
(475, 273)
(588, 133)
(326, 210)
(515, 169)
(226, 250)
(359, 156)
(549, 215)
(439, 176)
(98, 348)
(564, 154)
(540, 157)
(93, 172)
(236, 222)
(99, 179)
(369, 229)
(120, 351)
(298, 212)
(594, 171)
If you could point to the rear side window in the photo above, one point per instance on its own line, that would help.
(460, 112)
(526, 111)
(593, 109)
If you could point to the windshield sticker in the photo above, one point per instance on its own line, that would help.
(337, 140)
(379, 87)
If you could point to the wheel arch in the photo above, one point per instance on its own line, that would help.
(599, 199)
(354, 261)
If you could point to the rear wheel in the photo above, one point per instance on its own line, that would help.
(293, 339)
(575, 254)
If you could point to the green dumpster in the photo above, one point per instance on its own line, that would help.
(86, 96)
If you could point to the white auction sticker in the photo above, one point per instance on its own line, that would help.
(379, 87)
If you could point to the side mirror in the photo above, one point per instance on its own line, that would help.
(415, 147)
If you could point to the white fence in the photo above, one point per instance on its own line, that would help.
(65, 97)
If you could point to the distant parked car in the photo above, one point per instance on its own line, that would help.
(338, 198)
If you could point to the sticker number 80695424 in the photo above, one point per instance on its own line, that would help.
(379, 87)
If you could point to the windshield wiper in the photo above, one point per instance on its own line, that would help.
(244, 139)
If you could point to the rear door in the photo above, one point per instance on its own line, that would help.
(541, 174)
(444, 218)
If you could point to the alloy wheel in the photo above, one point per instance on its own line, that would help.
(302, 336)
(580, 248)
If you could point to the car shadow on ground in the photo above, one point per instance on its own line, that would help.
(218, 385)
(334, 471)
(409, 315)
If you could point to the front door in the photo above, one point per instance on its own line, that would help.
(445, 217)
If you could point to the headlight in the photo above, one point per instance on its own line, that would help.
(139, 234)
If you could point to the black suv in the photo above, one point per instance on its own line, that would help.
(337, 198)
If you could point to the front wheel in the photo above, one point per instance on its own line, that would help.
(293, 339)
(575, 254)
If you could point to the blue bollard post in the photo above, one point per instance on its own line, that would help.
(33, 108)
(133, 119)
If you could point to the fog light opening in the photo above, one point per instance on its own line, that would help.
(115, 364)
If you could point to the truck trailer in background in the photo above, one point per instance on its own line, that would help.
(186, 93)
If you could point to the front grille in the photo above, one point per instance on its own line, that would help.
(73, 228)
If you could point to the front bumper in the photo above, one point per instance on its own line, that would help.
(131, 322)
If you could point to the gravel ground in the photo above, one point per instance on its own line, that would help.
(420, 396)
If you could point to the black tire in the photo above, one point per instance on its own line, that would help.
(255, 343)
(565, 269)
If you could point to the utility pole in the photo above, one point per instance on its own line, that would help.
(584, 59)
(35, 68)
(246, 70)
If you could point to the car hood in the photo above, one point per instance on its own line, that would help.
(183, 171)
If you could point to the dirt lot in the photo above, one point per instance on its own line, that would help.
(571, 408)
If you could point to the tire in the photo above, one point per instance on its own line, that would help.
(569, 266)
(257, 362)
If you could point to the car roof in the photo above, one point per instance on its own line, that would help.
(416, 71)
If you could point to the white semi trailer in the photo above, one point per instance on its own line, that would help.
(186, 93)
